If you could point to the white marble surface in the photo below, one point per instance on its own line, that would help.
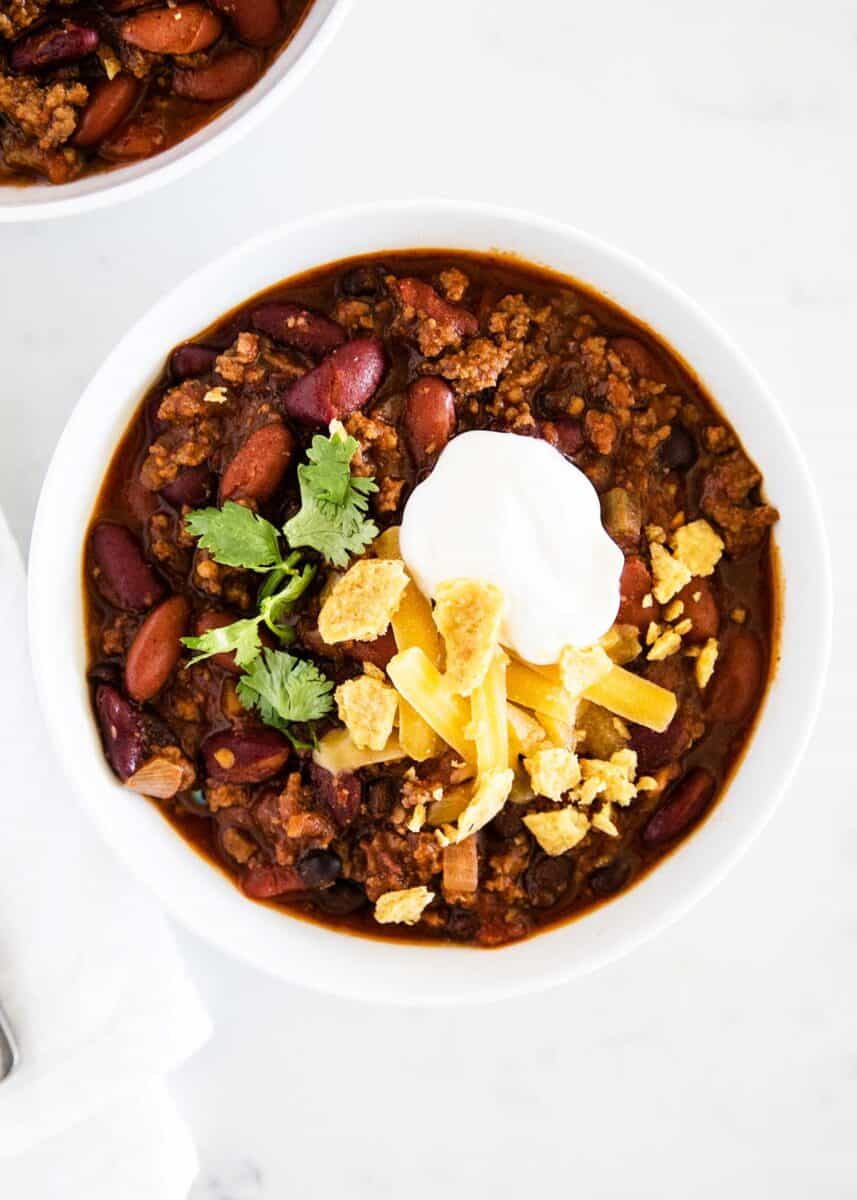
(717, 142)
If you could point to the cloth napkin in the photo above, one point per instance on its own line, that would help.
(91, 980)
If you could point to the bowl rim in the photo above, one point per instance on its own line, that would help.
(200, 147)
(195, 893)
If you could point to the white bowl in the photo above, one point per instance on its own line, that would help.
(42, 200)
(189, 887)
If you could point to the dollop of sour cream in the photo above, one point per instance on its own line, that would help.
(514, 512)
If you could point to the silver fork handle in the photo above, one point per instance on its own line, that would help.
(8, 1049)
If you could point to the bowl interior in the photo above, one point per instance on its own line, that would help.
(306, 953)
(96, 191)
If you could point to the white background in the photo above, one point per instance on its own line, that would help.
(717, 142)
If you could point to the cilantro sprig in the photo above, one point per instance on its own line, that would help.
(332, 517)
(332, 521)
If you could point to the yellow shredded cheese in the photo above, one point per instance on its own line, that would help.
(491, 793)
(581, 668)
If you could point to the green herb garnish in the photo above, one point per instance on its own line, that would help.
(284, 689)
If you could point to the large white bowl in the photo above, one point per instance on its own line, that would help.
(304, 953)
(38, 201)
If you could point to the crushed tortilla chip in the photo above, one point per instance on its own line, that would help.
(664, 645)
(670, 574)
(558, 831)
(616, 776)
(404, 907)
(468, 613)
(367, 709)
(603, 820)
(580, 669)
(362, 601)
(553, 772)
(705, 663)
(698, 547)
(491, 793)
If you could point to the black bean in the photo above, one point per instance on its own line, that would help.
(507, 823)
(608, 879)
(361, 281)
(679, 451)
(381, 795)
(318, 868)
(343, 898)
(462, 924)
(547, 879)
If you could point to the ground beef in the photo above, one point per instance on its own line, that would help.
(395, 861)
(47, 114)
(726, 499)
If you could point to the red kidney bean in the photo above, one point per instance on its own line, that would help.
(110, 102)
(212, 619)
(186, 362)
(309, 332)
(737, 678)
(140, 137)
(429, 417)
(122, 575)
(683, 804)
(344, 382)
(379, 651)
(255, 21)
(634, 585)
(230, 74)
(53, 46)
(341, 794)
(123, 730)
(700, 607)
(569, 434)
(252, 757)
(263, 883)
(156, 649)
(192, 487)
(185, 29)
(256, 470)
(417, 294)
(657, 749)
(638, 358)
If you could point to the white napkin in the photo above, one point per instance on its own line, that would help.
(90, 978)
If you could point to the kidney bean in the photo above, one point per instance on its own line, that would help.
(185, 29)
(679, 451)
(140, 137)
(122, 575)
(341, 794)
(569, 434)
(156, 649)
(110, 102)
(419, 295)
(635, 584)
(342, 899)
(263, 883)
(379, 652)
(53, 46)
(192, 487)
(700, 607)
(737, 678)
(309, 332)
(341, 384)
(610, 878)
(657, 749)
(319, 868)
(230, 74)
(255, 21)
(683, 804)
(252, 757)
(212, 619)
(547, 879)
(638, 358)
(186, 362)
(123, 730)
(256, 470)
(429, 417)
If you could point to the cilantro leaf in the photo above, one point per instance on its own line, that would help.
(284, 689)
(332, 516)
(240, 636)
(236, 537)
